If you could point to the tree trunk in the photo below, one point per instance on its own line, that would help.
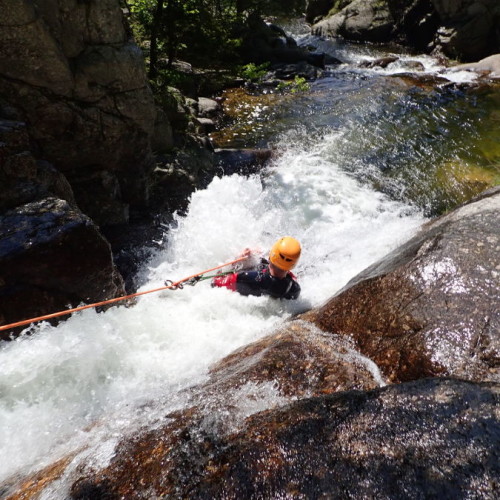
(155, 28)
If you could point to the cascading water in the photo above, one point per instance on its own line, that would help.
(81, 386)
(58, 382)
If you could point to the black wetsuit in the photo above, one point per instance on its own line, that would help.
(260, 282)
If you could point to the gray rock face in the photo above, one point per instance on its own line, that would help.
(467, 30)
(51, 255)
(22, 177)
(431, 307)
(318, 9)
(208, 108)
(76, 121)
(80, 86)
(360, 20)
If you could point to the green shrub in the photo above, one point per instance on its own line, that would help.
(298, 84)
(253, 72)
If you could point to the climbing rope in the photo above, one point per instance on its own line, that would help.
(199, 278)
(191, 280)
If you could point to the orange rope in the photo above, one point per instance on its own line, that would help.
(116, 299)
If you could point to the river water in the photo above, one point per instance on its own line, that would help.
(351, 180)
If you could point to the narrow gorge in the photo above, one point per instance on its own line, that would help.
(376, 148)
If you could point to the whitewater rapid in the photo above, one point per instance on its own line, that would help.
(80, 387)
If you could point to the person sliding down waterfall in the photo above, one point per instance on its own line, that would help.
(269, 277)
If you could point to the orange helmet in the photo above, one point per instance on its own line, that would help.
(285, 253)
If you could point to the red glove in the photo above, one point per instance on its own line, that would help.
(228, 281)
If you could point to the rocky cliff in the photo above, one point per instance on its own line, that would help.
(77, 117)
(71, 73)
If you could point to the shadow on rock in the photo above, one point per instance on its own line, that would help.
(432, 438)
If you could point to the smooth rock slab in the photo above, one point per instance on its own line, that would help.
(431, 307)
(433, 438)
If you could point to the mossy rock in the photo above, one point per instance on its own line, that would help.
(338, 6)
(489, 142)
(173, 103)
(461, 181)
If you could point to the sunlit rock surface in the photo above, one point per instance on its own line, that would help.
(361, 21)
(433, 438)
(431, 307)
(51, 256)
(489, 66)
(301, 361)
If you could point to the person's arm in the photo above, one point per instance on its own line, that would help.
(252, 259)
(229, 280)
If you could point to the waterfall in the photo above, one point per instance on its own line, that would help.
(94, 378)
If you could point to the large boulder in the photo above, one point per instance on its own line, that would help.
(361, 21)
(51, 256)
(466, 30)
(430, 308)
(80, 85)
(299, 360)
(433, 438)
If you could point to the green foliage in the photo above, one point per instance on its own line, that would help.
(199, 31)
(141, 18)
(172, 78)
(206, 33)
(298, 84)
(253, 72)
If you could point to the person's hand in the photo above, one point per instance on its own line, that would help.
(247, 253)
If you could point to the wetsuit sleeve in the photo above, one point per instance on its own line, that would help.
(259, 283)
